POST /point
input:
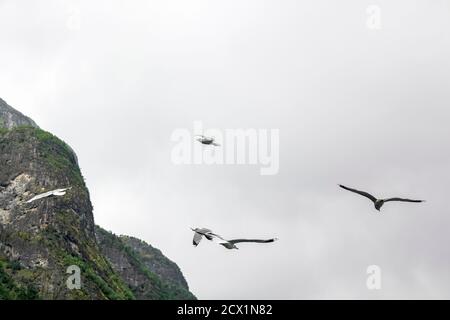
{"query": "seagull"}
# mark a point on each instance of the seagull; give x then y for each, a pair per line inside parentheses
(378, 202)
(207, 140)
(56, 193)
(229, 244)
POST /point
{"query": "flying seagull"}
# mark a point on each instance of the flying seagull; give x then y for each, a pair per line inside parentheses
(378, 202)
(56, 193)
(229, 244)
(207, 140)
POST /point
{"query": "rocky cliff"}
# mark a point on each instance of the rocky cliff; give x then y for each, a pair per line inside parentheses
(148, 273)
(41, 239)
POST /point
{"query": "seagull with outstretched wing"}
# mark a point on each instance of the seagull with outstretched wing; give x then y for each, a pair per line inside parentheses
(378, 203)
(55, 193)
(229, 244)
(207, 140)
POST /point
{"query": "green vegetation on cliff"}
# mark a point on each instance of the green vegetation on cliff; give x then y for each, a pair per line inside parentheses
(9, 288)
(52, 152)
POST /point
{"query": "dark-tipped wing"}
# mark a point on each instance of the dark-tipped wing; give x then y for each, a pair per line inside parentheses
(365, 194)
(252, 240)
(197, 238)
(200, 233)
(402, 200)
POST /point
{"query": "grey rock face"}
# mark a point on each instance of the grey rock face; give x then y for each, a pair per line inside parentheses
(10, 118)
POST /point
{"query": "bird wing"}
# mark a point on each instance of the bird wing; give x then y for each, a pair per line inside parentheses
(57, 192)
(365, 194)
(207, 234)
(197, 238)
(252, 240)
(40, 196)
(403, 200)
(203, 231)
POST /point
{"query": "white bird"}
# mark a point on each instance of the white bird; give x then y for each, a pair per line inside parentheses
(378, 203)
(229, 244)
(207, 140)
(56, 193)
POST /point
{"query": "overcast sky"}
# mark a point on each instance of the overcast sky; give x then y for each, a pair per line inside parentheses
(364, 107)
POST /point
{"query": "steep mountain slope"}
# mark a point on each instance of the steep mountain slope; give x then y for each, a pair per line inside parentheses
(154, 260)
(148, 273)
(40, 240)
